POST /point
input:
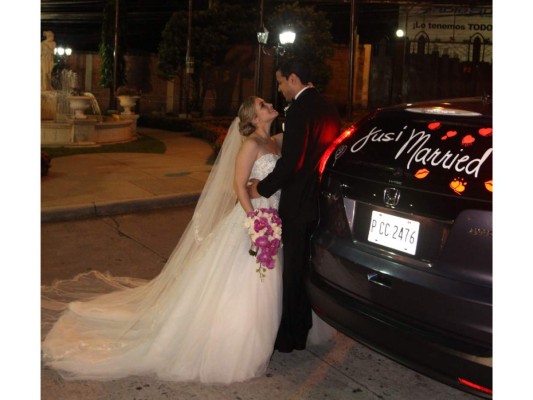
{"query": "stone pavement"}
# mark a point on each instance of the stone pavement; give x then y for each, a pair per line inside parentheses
(89, 185)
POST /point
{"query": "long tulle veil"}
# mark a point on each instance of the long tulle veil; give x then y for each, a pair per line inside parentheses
(135, 306)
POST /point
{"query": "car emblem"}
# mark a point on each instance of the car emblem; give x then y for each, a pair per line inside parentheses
(391, 197)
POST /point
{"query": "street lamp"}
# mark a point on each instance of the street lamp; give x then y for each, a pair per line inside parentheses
(61, 51)
(286, 38)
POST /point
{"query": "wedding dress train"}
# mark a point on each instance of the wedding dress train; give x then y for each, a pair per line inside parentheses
(207, 317)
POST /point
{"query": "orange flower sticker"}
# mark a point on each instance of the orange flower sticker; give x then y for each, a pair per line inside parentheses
(488, 185)
(422, 173)
(468, 140)
(485, 131)
(449, 134)
(458, 185)
(434, 125)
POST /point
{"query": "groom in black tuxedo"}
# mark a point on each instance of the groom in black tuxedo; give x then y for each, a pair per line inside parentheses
(311, 125)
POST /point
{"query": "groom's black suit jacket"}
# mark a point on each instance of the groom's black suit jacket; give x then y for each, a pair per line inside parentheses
(312, 124)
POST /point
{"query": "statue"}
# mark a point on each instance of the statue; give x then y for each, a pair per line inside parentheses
(47, 60)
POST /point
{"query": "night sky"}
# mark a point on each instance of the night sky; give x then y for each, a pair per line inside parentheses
(77, 23)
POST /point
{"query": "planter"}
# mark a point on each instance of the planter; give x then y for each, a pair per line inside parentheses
(79, 104)
(127, 102)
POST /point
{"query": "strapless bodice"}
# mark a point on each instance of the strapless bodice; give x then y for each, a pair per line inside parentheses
(262, 167)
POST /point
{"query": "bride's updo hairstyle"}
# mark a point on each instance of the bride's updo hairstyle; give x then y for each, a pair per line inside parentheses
(246, 114)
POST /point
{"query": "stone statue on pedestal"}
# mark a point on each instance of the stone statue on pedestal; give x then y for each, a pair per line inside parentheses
(47, 60)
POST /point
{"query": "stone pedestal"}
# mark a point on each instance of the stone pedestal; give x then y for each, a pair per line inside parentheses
(48, 105)
(133, 118)
(83, 131)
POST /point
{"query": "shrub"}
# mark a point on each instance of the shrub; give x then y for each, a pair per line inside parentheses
(127, 91)
(165, 122)
(213, 132)
(46, 161)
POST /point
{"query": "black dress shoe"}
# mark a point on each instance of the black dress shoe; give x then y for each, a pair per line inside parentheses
(283, 347)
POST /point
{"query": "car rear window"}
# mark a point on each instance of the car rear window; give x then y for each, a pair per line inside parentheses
(447, 154)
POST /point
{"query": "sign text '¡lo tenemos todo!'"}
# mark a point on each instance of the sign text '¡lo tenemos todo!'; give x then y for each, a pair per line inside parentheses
(415, 146)
(462, 27)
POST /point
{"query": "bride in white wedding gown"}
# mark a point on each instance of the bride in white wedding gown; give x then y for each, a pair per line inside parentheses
(207, 316)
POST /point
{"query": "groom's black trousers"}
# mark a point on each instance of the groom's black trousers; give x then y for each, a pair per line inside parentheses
(296, 316)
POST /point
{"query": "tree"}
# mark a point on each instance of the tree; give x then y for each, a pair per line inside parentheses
(313, 38)
(214, 31)
(220, 27)
(107, 48)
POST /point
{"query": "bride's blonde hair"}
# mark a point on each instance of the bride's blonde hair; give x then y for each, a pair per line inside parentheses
(246, 114)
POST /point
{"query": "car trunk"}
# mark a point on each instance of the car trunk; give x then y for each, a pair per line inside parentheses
(433, 187)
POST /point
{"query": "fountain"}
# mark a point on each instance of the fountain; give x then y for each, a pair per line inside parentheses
(71, 117)
(79, 104)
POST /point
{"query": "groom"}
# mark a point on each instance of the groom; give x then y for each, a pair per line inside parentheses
(311, 125)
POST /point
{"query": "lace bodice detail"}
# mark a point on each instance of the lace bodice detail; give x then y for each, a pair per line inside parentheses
(262, 167)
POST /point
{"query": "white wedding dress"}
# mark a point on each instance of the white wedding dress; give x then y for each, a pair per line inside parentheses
(206, 318)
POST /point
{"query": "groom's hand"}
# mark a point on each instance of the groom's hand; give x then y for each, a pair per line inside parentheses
(252, 188)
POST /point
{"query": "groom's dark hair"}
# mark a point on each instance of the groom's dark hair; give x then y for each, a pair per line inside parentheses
(298, 67)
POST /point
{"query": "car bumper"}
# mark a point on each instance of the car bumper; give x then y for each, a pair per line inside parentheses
(421, 350)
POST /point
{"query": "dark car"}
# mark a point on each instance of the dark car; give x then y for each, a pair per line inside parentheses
(402, 257)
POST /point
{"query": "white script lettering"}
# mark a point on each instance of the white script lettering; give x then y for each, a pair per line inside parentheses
(420, 153)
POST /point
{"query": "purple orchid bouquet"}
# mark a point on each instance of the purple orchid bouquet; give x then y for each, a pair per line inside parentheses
(264, 228)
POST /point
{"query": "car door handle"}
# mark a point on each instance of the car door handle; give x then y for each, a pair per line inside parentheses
(379, 279)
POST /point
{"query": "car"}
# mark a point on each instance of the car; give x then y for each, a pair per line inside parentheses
(401, 259)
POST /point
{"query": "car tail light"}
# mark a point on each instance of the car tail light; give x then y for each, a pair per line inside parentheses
(475, 386)
(342, 137)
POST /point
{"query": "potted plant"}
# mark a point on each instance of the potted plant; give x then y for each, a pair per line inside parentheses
(127, 96)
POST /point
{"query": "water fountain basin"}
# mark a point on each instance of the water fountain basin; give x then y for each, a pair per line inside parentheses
(77, 121)
(89, 131)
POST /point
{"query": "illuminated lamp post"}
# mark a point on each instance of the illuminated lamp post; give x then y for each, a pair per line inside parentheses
(62, 51)
(286, 38)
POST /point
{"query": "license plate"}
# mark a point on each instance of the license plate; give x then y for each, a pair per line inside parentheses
(394, 232)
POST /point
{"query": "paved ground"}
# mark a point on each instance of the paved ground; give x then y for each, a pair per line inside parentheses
(138, 244)
(94, 216)
(107, 183)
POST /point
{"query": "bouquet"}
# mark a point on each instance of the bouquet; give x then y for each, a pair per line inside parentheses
(264, 228)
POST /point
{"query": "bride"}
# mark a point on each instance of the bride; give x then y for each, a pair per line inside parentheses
(207, 316)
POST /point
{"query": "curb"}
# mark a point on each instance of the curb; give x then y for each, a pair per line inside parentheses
(94, 210)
